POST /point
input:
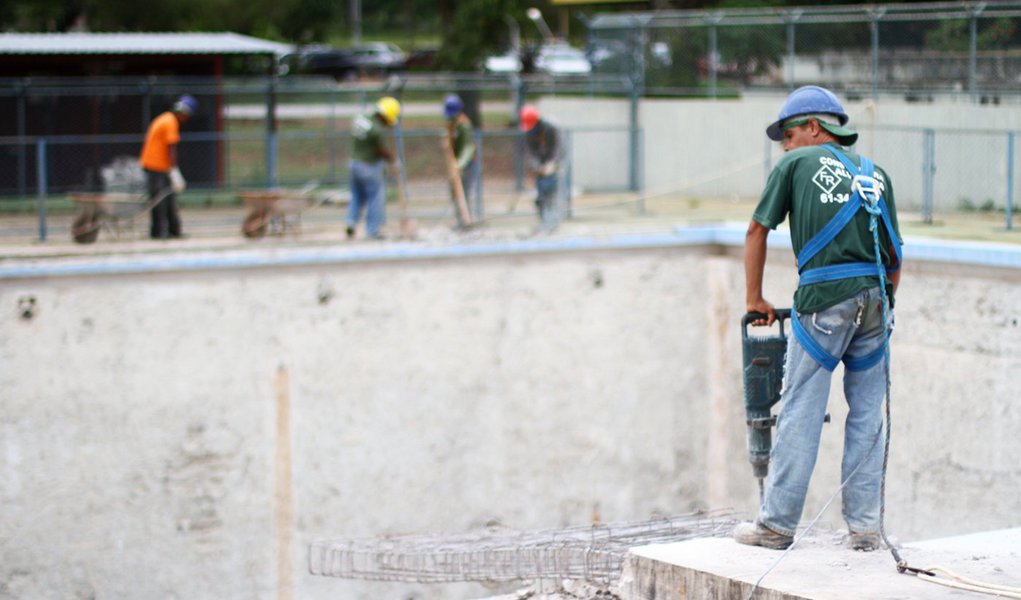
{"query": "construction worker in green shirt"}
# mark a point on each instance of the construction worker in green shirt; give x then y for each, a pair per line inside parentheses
(368, 151)
(843, 225)
(461, 142)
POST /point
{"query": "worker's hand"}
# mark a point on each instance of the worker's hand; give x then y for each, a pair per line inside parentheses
(548, 168)
(762, 306)
(177, 182)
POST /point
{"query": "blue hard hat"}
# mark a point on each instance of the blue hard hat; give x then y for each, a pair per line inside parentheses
(187, 105)
(807, 100)
(452, 106)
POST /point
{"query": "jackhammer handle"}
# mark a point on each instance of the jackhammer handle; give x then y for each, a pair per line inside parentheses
(782, 314)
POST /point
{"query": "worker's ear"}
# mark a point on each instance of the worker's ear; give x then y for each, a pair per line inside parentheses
(814, 128)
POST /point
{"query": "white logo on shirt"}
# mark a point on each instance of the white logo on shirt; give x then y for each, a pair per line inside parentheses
(828, 177)
(361, 126)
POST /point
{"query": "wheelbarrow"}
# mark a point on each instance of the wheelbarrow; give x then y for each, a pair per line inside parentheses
(114, 211)
(275, 210)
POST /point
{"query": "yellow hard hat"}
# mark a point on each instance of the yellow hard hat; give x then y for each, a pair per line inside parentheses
(389, 108)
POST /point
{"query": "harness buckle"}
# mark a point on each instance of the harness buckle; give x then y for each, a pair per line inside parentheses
(868, 188)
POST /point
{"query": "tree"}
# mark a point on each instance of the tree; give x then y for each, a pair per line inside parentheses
(274, 19)
(954, 35)
(479, 28)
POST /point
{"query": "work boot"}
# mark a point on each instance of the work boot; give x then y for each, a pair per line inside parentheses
(350, 231)
(864, 542)
(756, 534)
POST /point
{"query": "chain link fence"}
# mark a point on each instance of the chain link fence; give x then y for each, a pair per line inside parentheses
(277, 132)
(290, 132)
(915, 49)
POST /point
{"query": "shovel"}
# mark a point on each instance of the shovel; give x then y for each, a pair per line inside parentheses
(408, 227)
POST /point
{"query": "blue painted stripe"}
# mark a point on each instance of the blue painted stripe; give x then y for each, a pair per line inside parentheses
(983, 254)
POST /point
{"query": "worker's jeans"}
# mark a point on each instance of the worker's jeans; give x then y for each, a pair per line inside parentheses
(164, 221)
(546, 200)
(853, 327)
(366, 194)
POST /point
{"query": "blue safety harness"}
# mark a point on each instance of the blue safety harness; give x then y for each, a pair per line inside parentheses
(867, 195)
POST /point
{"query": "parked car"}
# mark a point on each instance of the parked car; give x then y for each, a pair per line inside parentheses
(554, 59)
(503, 63)
(319, 60)
(561, 59)
(379, 58)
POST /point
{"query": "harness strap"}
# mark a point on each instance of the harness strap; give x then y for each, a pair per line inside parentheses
(830, 231)
(827, 360)
(821, 356)
(840, 271)
(864, 363)
(865, 194)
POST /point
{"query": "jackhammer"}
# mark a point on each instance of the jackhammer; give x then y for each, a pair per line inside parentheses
(763, 380)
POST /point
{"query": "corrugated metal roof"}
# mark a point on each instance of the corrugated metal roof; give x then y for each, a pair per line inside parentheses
(137, 43)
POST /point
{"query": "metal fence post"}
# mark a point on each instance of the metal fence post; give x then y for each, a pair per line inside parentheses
(637, 80)
(792, 18)
(973, 51)
(40, 169)
(1010, 180)
(633, 139)
(21, 90)
(713, 54)
(479, 203)
(146, 88)
(874, 31)
(518, 89)
(928, 170)
(640, 174)
(332, 133)
(569, 174)
(271, 133)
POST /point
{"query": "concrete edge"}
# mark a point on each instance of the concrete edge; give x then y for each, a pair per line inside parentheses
(915, 249)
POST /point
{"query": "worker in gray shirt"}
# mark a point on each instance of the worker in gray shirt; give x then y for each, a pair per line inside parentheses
(543, 149)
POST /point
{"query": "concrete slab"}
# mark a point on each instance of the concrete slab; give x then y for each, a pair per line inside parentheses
(821, 567)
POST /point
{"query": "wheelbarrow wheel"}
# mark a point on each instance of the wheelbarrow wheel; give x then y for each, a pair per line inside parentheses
(255, 224)
(85, 228)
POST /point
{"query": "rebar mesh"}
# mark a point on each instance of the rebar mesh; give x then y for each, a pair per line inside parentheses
(593, 553)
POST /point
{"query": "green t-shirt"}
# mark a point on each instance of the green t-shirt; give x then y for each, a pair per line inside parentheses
(464, 142)
(367, 135)
(809, 185)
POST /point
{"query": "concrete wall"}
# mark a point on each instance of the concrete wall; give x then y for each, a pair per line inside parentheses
(718, 148)
(187, 435)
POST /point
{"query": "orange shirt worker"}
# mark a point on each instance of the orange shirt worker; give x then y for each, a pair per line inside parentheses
(159, 161)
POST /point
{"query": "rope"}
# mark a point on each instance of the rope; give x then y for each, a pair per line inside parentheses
(963, 583)
(871, 206)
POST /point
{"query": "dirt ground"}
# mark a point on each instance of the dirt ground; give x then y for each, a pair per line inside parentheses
(565, 590)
